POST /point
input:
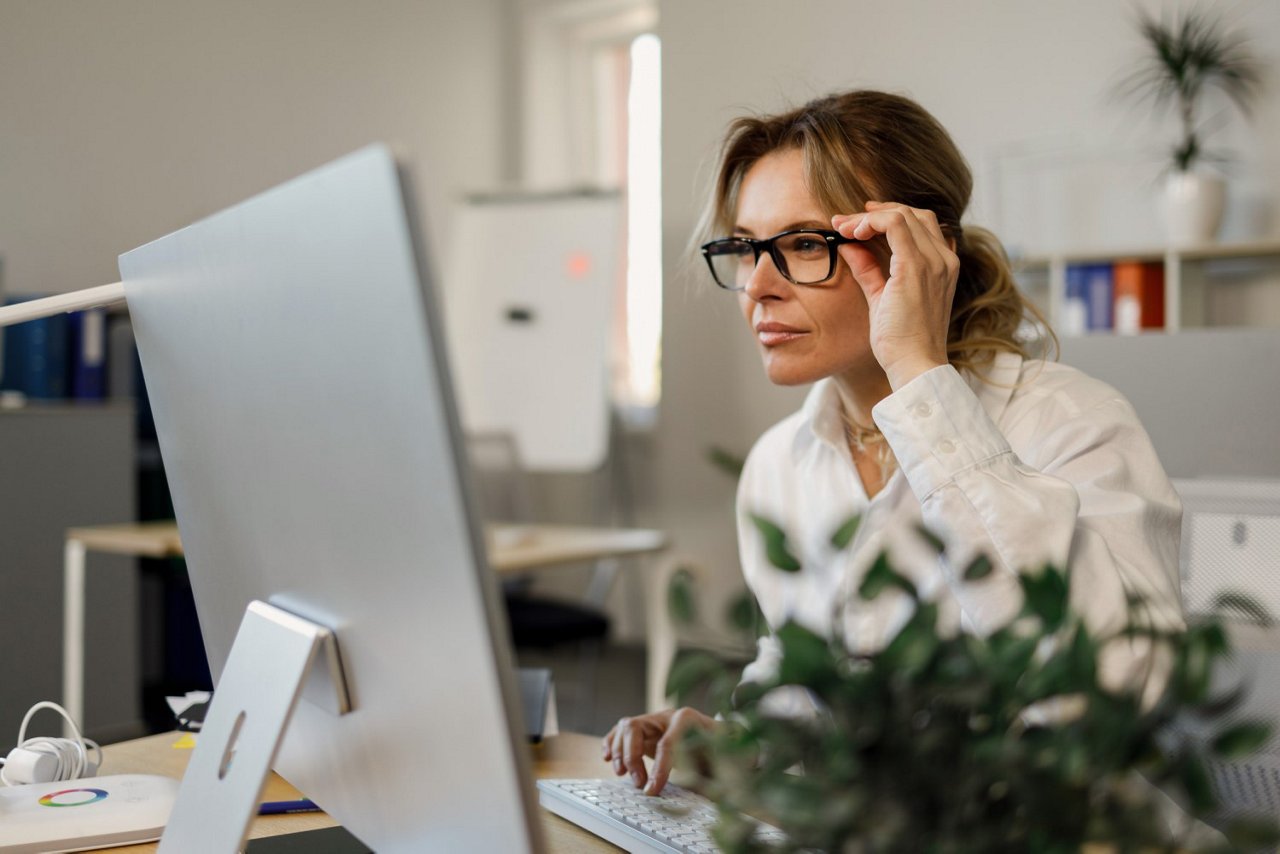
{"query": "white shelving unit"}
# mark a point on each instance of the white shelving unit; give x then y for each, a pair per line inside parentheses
(1185, 278)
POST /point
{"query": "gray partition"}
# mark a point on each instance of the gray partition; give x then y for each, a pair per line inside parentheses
(1209, 398)
(62, 466)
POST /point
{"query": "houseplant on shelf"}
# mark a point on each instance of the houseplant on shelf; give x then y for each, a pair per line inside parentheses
(1185, 62)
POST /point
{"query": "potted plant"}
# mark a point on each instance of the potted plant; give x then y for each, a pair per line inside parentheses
(1186, 60)
(957, 743)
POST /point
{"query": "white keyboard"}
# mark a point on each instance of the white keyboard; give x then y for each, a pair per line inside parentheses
(676, 822)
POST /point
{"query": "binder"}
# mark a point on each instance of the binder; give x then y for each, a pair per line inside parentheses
(35, 357)
(13, 368)
(1100, 290)
(1139, 296)
(89, 354)
(1075, 315)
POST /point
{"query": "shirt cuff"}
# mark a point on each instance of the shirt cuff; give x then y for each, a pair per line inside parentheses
(937, 429)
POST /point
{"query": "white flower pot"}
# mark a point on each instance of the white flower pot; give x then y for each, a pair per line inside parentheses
(1191, 207)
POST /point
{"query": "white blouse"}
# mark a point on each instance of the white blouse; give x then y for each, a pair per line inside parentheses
(1040, 464)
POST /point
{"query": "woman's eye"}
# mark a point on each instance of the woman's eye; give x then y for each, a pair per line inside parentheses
(808, 245)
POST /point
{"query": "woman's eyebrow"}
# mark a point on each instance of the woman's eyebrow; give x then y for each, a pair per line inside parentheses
(743, 231)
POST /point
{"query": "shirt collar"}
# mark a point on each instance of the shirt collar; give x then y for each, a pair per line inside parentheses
(822, 413)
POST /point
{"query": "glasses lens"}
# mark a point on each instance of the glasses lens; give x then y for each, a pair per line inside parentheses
(731, 261)
(807, 257)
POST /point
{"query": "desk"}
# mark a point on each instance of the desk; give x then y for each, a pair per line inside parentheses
(566, 755)
(512, 548)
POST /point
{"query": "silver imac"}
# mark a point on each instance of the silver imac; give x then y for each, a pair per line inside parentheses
(292, 351)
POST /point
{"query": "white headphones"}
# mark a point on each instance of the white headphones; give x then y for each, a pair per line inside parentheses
(49, 760)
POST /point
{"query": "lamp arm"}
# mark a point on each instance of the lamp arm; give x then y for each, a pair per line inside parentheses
(99, 297)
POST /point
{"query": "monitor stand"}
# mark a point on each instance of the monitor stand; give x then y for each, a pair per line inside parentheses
(328, 840)
(270, 666)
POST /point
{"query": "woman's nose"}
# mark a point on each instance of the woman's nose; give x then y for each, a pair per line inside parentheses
(765, 280)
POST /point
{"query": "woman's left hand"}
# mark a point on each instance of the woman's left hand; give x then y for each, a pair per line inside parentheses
(910, 309)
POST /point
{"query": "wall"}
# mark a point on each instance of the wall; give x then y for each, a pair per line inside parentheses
(1026, 90)
(122, 121)
(74, 467)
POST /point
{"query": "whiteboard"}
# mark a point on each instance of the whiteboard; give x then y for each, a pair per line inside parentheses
(529, 309)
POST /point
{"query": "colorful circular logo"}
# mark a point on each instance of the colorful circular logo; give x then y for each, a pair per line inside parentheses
(72, 797)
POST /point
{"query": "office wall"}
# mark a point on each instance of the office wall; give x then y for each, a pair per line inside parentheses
(1025, 89)
(122, 121)
(65, 467)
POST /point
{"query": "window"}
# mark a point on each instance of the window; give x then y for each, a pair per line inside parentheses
(591, 81)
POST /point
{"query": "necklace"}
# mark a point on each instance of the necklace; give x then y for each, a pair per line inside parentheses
(870, 441)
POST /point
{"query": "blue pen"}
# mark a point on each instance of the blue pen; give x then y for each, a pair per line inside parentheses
(282, 807)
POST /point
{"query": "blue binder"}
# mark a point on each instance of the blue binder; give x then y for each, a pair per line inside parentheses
(89, 354)
(35, 357)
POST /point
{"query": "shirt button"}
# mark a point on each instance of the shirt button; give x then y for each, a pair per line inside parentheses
(947, 446)
(923, 410)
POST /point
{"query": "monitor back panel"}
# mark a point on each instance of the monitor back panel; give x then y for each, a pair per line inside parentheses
(305, 419)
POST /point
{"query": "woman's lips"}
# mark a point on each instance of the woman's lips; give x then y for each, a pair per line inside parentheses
(773, 334)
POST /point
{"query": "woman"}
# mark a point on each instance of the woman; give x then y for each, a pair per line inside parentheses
(844, 244)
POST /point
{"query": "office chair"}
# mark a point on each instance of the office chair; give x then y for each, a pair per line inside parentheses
(539, 622)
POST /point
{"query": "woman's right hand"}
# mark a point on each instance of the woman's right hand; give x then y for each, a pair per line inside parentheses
(655, 735)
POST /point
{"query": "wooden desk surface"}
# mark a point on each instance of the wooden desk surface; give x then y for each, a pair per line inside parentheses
(566, 755)
(512, 548)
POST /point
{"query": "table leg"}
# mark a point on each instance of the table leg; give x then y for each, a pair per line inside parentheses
(73, 633)
(660, 635)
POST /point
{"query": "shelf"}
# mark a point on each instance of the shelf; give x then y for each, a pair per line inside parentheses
(1188, 270)
(1208, 251)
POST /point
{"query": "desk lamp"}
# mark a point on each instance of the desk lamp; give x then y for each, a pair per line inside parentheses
(103, 296)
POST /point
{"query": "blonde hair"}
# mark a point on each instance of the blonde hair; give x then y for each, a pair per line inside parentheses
(864, 145)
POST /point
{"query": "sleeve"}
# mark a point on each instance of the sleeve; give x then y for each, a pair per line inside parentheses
(1090, 495)
(764, 584)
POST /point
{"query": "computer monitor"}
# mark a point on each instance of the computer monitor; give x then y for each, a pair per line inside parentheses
(293, 358)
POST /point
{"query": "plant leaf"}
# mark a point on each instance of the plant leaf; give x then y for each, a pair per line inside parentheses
(743, 614)
(844, 534)
(806, 657)
(979, 568)
(1195, 779)
(1245, 605)
(882, 576)
(1046, 597)
(1194, 665)
(913, 647)
(931, 538)
(729, 463)
(775, 545)
(1084, 658)
(690, 671)
(1218, 707)
(680, 599)
(1241, 740)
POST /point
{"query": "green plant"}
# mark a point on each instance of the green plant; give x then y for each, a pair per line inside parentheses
(956, 743)
(1185, 59)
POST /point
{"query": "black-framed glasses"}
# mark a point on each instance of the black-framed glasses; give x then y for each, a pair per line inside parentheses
(805, 256)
